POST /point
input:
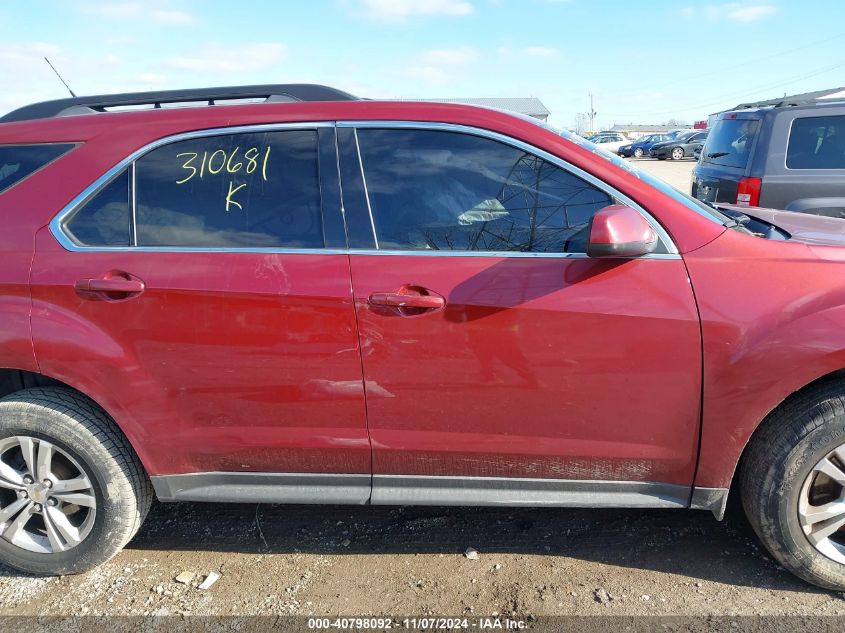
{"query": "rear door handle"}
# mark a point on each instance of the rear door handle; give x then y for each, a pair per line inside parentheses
(113, 286)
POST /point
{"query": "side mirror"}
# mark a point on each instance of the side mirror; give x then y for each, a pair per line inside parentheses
(620, 231)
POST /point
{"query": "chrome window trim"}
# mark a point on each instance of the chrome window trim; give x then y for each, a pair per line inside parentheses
(366, 191)
(499, 254)
(526, 147)
(133, 217)
(57, 223)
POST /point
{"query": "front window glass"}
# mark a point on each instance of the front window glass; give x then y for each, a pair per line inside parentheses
(435, 190)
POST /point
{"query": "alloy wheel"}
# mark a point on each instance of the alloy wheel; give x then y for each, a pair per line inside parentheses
(677, 153)
(821, 506)
(638, 152)
(47, 502)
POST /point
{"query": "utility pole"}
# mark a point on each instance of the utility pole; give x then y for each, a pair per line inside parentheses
(592, 116)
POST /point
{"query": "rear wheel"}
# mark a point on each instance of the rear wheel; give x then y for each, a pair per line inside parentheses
(638, 153)
(793, 485)
(72, 491)
(677, 153)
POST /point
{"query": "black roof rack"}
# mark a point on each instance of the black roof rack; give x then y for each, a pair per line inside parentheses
(99, 103)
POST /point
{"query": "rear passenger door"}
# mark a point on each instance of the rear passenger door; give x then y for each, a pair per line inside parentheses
(202, 293)
(501, 363)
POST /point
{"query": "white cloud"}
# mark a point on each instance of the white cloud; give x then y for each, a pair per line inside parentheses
(231, 59)
(431, 75)
(172, 17)
(152, 79)
(540, 51)
(449, 56)
(133, 11)
(750, 13)
(437, 65)
(732, 11)
(401, 10)
(528, 51)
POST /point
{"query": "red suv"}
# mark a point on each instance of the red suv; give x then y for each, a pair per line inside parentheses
(312, 298)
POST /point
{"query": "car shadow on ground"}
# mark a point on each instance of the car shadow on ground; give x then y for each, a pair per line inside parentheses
(687, 543)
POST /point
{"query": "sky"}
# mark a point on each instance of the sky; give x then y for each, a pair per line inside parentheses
(644, 62)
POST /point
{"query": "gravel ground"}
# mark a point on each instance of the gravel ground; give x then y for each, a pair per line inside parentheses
(308, 560)
(675, 172)
(304, 560)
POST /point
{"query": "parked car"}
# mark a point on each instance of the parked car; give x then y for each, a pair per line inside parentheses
(790, 157)
(683, 146)
(640, 147)
(324, 299)
(610, 141)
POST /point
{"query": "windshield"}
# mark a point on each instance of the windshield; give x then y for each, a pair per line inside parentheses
(729, 143)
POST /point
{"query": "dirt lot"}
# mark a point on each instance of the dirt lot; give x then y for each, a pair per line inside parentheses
(675, 172)
(411, 561)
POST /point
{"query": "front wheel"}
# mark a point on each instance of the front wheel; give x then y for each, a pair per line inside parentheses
(72, 491)
(677, 153)
(793, 485)
(638, 153)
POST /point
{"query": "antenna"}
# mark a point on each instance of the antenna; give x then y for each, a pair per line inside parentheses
(72, 93)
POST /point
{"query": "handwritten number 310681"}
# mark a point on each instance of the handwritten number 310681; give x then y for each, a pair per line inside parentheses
(221, 161)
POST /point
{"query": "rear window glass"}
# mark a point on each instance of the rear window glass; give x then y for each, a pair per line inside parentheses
(249, 190)
(19, 161)
(817, 143)
(105, 219)
(729, 142)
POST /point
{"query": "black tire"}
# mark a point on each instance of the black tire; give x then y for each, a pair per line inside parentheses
(80, 428)
(675, 150)
(638, 153)
(777, 461)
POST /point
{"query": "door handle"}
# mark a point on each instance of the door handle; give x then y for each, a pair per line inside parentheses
(113, 286)
(408, 300)
(398, 300)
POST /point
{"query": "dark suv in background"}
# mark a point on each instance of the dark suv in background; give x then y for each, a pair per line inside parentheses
(786, 157)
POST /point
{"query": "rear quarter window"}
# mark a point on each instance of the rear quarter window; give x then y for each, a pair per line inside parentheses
(817, 143)
(729, 142)
(19, 161)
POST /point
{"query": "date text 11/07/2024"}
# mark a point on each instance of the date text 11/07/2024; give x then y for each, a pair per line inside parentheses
(420, 624)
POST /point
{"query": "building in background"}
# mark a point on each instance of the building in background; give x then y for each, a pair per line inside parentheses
(530, 106)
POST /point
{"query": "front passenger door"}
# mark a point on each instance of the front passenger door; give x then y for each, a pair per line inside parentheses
(494, 350)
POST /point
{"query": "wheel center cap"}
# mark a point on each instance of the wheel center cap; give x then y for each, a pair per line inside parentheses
(37, 492)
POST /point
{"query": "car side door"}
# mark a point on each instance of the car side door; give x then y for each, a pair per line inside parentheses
(499, 360)
(200, 292)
